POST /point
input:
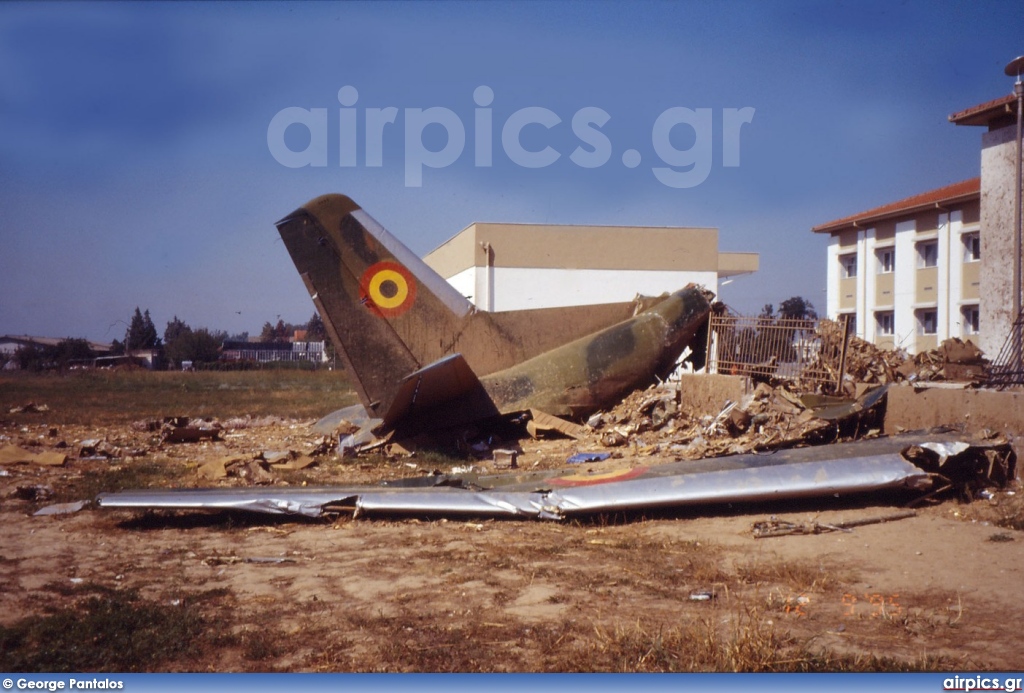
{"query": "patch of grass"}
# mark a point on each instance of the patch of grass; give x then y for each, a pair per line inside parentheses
(419, 643)
(742, 642)
(261, 644)
(800, 576)
(443, 459)
(142, 473)
(85, 397)
(112, 631)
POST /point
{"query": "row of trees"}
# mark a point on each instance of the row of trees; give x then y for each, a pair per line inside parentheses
(63, 355)
(180, 343)
(314, 328)
(795, 308)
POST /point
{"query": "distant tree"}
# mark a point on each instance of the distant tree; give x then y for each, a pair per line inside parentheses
(206, 345)
(33, 357)
(177, 342)
(277, 333)
(267, 333)
(29, 357)
(768, 312)
(315, 330)
(141, 332)
(67, 351)
(797, 308)
(174, 329)
(116, 348)
(238, 337)
(182, 343)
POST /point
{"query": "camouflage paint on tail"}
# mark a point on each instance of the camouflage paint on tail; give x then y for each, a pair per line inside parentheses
(379, 302)
(419, 352)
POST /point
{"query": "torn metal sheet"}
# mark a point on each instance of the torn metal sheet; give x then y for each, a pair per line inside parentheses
(815, 472)
(62, 508)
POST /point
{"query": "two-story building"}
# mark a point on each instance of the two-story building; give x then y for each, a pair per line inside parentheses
(908, 273)
(939, 264)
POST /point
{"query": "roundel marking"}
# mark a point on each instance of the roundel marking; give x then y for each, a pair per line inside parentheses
(388, 289)
(600, 478)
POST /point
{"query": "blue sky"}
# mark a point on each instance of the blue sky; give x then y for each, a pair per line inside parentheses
(135, 168)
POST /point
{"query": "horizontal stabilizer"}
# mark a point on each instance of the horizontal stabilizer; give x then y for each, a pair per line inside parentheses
(447, 381)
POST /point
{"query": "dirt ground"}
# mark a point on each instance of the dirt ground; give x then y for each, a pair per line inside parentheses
(676, 591)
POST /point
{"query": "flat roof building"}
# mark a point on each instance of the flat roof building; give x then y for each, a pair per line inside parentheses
(502, 267)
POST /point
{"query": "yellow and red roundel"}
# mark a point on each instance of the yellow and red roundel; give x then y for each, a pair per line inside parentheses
(388, 289)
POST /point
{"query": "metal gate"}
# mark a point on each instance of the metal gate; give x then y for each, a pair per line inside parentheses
(813, 351)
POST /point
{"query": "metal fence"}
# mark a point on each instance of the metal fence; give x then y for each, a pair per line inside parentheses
(1008, 368)
(812, 351)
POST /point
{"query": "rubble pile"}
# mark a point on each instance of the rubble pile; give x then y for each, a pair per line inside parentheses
(651, 422)
(953, 360)
(865, 362)
(232, 450)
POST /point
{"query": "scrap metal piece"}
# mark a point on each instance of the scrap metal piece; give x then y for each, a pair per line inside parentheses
(781, 528)
(61, 508)
(814, 472)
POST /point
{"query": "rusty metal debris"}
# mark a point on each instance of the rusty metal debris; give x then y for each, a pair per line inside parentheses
(180, 429)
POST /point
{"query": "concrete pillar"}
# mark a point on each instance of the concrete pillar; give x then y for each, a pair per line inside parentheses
(998, 178)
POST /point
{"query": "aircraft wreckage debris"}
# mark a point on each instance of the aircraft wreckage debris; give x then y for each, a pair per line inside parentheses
(782, 528)
(422, 358)
(813, 472)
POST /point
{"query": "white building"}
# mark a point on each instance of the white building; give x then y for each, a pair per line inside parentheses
(908, 274)
(939, 264)
(503, 267)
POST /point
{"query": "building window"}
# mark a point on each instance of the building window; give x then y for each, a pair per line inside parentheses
(972, 319)
(886, 260)
(928, 254)
(851, 322)
(972, 247)
(927, 321)
(849, 265)
(886, 322)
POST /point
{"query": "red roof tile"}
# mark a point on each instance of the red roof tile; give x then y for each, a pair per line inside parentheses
(956, 191)
(983, 113)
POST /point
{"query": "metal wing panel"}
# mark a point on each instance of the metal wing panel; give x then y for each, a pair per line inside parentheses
(777, 482)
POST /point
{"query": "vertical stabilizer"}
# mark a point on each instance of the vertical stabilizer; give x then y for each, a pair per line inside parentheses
(384, 309)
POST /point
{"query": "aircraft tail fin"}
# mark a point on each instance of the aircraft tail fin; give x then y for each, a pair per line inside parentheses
(385, 310)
